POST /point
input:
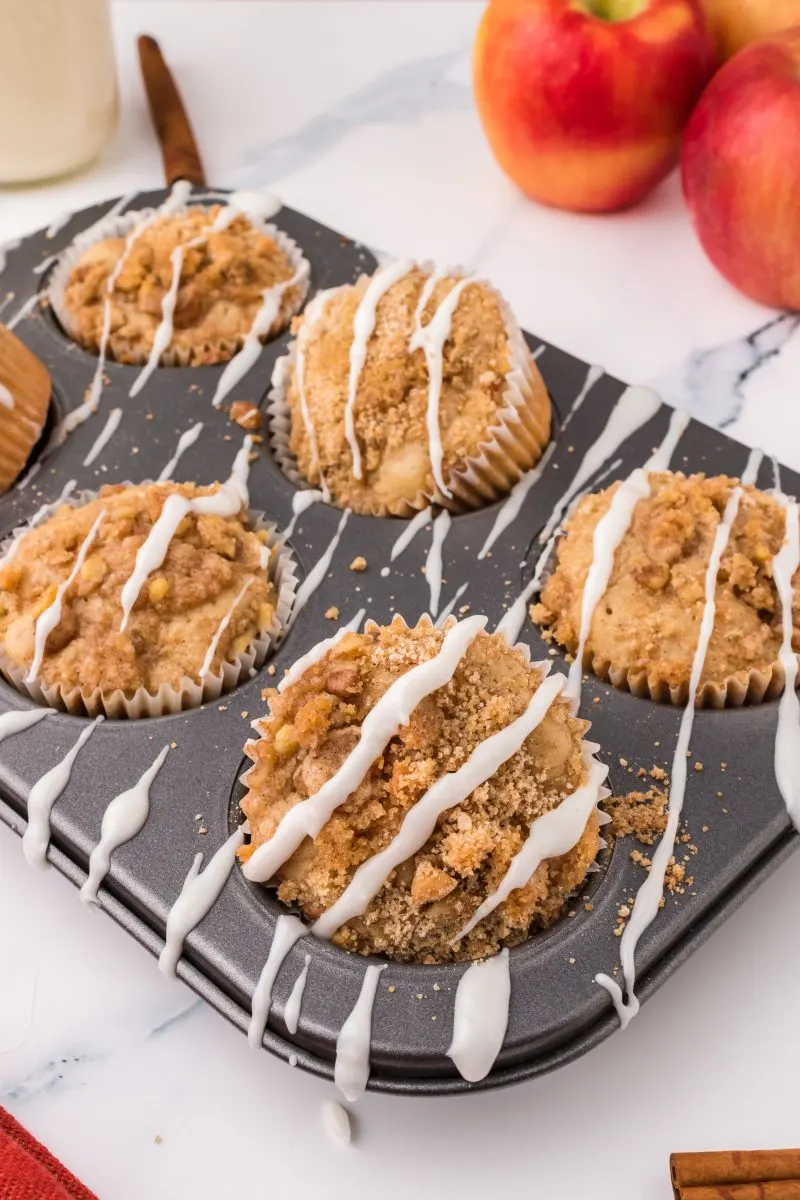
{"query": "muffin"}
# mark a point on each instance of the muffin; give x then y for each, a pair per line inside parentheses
(223, 279)
(409, 387)
(201, 620)
(23, 410)
(645, 630)
(314, 723)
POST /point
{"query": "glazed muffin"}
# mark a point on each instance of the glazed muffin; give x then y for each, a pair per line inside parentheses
(645, 630)
(200, 620)
(223, 278)
(315, 723)
(444, 398)
(23, 411)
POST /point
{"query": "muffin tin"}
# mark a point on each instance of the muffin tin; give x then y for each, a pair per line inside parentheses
(557, 1011)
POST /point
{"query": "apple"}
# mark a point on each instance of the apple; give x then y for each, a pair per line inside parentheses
(741, 170)
(584, 101)
(736, 23)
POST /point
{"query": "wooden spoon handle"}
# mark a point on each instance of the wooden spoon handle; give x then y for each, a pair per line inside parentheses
(178, 146)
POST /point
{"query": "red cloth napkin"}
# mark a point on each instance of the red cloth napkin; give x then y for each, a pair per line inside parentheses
(29, 1172)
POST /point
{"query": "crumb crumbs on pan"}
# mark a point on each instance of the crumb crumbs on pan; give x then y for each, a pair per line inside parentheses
(332, 613)
(359, 563)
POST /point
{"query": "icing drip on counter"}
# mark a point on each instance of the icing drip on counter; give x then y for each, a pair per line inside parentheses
(510, 509)
(336, 1121)
(301, 502)
(288, 930)
(351, 1070)
(363, 328)
(787, 734)
(318, 652)
(431, 340)
(187, 439)
(124, 817)
(223, 625)
(410, 532)
(480, 1018)
(392, 711)
(50, 618)
(17, 722)
(105, 436)
(593, 376)
(433, 563)
(551, 835)
(648, 898)
(635, 407)
(199, 892)
(43, 796)
(447, 792)
(317, 572)
(291, 1014)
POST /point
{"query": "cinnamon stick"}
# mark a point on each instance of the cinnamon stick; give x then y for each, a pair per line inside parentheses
(178, 146)
(716, 1174)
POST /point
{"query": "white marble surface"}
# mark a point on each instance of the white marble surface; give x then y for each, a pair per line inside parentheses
(362, 115)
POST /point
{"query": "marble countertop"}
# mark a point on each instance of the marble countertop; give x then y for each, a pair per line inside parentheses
(361, 114)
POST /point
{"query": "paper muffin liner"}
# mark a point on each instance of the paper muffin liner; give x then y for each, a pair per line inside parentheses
(513, 445)
(121, 226)
(189, 692)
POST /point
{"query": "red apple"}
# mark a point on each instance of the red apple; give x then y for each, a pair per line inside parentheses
(741, 170)
(736, 23)
(584, 101)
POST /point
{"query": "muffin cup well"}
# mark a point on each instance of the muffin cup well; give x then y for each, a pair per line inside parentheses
(514, 444)
(121, 226)
(189, 692)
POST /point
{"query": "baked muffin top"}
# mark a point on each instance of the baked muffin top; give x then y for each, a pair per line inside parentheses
(315, 723)
(179, 609)
(648, 622)
(223, 278)
(390, 410)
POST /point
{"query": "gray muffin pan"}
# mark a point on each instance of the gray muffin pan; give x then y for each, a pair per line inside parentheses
(557, 1011)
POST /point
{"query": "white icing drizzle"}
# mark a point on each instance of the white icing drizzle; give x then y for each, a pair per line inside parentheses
(317, 572)
(38, 517)
(410, 532)
(5, 250)
(124, 817)
(551, 835)
(776, 474)
(648, 898)
(22, 311)
(510, 509)
(336, 1121)
(45, 264)
(114, 211)
(302, 500)
(634, 409)
(223, 625)
(43, 796)
(787, 734)
(288, 930)
(448, 791)
(351, 1070)
(363, 328)
(225, 502)
(6, 399)
(187, 439)
(163, 334)
(16, 722)
(291, 1014)
(258, 206)
(34, 471)
(57, 224)
(431, 340)
(446, 611)
(244, 359)
(750, 473)
(318, 652)
(312, 314)
(608, 534)
(105, 436)
(200, 891)
(89, 407)
(50, 618)
(433, 563)
(480, 1018)
(593, 375)
(380, 725)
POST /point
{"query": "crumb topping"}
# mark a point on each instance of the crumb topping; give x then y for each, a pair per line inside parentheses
(314, 724)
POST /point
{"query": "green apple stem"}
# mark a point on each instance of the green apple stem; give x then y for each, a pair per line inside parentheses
(615, 10)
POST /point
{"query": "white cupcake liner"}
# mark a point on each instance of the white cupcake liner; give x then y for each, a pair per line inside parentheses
(190, 692)
(514, 444)
(121, 226)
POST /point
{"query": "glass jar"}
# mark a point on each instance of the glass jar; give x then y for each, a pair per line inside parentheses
(58, 87)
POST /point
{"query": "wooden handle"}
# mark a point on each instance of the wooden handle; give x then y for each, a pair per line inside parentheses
(178, 147)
